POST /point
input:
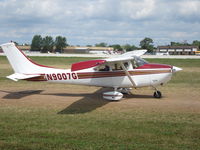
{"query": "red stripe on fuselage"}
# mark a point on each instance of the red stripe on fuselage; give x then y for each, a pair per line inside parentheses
(86, 64)
(87, 75)
(154, 66)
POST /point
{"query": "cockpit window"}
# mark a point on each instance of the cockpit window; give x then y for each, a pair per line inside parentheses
(110, 67)
(137, 62)
(116, 66)
(104, 68)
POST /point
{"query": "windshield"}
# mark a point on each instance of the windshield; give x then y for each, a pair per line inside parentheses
(137, 62)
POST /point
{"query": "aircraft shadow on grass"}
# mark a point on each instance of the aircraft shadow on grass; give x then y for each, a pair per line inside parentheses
(20, 94)
(88, 103)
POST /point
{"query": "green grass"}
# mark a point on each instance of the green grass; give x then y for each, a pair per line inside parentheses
(34, 128)
(58, 60)
(45, 129)
(177, 62)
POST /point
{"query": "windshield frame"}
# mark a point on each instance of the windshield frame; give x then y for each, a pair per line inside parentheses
(138, 61)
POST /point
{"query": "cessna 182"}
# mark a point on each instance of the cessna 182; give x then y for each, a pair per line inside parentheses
(121, 73)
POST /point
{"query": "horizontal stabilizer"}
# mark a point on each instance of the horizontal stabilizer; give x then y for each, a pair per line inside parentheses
(19, 76)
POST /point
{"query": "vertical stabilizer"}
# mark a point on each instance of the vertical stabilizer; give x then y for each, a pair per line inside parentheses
(19, 62)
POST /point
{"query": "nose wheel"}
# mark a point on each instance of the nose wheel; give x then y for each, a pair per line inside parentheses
(157, 94)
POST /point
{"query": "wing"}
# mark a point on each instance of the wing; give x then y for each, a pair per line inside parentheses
(126, 56)
(95, 63)
(135, 53)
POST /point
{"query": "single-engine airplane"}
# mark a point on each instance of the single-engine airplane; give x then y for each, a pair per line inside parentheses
(121, 73)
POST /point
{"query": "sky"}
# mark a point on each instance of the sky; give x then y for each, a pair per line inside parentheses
(87, 22)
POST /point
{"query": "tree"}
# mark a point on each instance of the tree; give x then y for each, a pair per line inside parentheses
(89, 45)
(102, 44)
(134, 47)
(47, 44)
(147, 43)
(196, 43)
(15, 43)
(184, 43)
(129, 47)
(60, 43)
(36, 44)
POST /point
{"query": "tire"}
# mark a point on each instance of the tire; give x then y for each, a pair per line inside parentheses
(157, 94)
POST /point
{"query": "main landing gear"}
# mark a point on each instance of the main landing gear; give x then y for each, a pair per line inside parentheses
(124, 90)
(117, 94)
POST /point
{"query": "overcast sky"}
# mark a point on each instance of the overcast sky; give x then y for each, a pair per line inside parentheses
(86, 22)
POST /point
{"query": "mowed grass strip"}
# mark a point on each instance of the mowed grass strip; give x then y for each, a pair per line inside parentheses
(23, 127)
(45, 129)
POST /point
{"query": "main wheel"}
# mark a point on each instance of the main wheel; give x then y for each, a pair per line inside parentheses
(157, 94)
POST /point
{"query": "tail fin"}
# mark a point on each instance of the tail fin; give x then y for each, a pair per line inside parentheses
(19, 62)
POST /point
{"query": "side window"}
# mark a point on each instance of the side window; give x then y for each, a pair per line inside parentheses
(116, 67)
(126, 65)
(113, 67)
(104, 68)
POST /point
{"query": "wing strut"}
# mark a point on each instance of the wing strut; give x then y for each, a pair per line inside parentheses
(127, 73)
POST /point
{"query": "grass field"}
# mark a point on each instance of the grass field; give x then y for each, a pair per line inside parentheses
(58, 116)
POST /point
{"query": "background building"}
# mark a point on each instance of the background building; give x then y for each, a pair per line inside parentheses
(178, 50)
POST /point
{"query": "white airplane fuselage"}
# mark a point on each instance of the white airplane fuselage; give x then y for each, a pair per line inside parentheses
(124, 71)
(142, 77)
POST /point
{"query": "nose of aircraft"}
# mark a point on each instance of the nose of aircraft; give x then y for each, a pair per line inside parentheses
(176, 69)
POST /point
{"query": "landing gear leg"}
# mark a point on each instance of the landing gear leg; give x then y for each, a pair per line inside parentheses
(157, 94)
(124, 90)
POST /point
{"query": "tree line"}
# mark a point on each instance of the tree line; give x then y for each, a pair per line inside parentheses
(48, 44)
(147, 43)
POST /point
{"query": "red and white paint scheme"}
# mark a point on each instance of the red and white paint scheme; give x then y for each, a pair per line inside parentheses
(121, 73)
